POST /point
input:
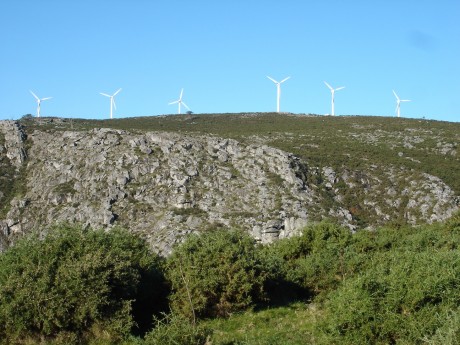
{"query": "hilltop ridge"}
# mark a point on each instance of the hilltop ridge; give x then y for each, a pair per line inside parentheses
(269, 174)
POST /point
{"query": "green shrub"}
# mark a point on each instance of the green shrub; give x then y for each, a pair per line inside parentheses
(318, 259)
(449, 331)
(73, 281)
(453, 223)
(397, 300)
(326, 265)
(441, 236)
(215, 274)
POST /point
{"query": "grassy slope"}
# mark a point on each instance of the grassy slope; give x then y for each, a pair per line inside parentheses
(289, 325)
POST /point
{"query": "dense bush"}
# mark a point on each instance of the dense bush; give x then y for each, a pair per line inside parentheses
(74, 281)
(215, 274)
(403, 297)
(396, 285)
(318, 260)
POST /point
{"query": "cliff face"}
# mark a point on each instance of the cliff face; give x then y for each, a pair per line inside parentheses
(166, 185)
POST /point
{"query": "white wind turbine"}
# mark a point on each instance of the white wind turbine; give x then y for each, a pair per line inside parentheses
(278, 91)
(333, 92)
(179, 101)
(112, 101)
(398, 103)
(39, 100)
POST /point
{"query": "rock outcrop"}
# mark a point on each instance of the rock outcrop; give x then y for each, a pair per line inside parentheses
(166, 185)
(13, 142)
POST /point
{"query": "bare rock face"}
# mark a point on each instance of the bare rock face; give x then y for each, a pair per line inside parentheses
(165, 186)
(161, 185)
(13, 142)
(397, 193)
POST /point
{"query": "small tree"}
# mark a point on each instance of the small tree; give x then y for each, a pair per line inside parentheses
(177, 329)
(215, 274)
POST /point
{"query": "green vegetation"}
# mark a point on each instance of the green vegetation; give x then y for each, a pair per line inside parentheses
(397, 285)
(215, 274)
(395, 300)
(393, 286)
(177, 329)
(292, 324)
(76, 283)
(318, 260)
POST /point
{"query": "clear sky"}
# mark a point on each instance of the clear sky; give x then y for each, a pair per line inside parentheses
(221, 52)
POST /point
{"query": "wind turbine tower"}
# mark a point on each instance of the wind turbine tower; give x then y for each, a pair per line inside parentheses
(39, 100)
(278, 91)
(179, 102)
(398, 103)
(112, 101)
(333, 92)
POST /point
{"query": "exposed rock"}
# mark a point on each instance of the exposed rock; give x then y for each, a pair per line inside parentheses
(106, 177)
(14, 142)
(165, 186)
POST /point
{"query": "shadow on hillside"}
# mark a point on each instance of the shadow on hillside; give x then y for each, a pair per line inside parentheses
(282, 293)
(151, 301)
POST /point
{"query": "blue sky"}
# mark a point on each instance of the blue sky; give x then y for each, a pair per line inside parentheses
(220, 52)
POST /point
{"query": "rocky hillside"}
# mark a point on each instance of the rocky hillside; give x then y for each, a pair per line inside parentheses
(166, 182)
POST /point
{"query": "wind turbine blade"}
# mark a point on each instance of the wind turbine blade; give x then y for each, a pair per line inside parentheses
(181, 93)
(117, 92)
(282, 81)
(185, 105)
(174, 102)
(273, 80)
(329, 86)
(405, 100)
(395, 95)
(114, 105)
(340, 88)
(104, 94)
(34, 95)
(44, 99)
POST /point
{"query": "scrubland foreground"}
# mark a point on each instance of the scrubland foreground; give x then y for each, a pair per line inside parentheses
(394, 285)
